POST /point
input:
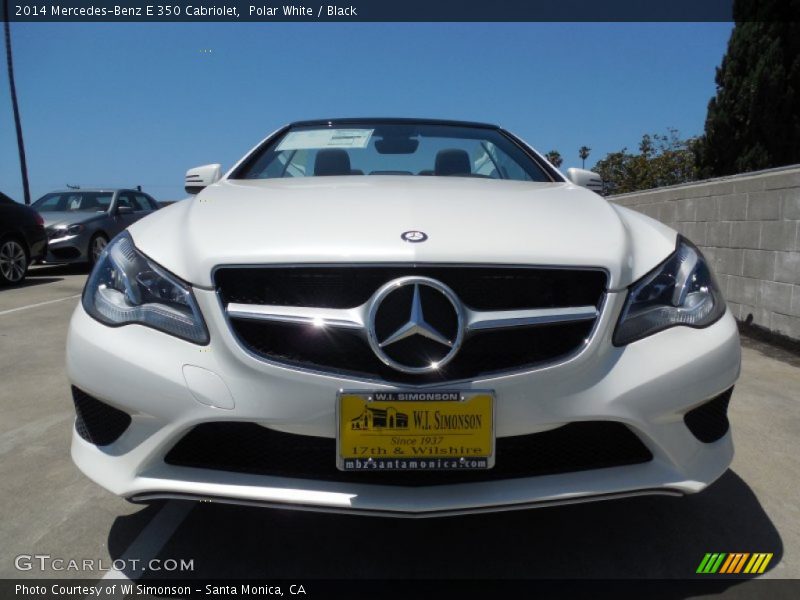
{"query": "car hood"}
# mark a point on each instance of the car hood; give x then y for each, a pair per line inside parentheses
(361, 218)
(54, 218)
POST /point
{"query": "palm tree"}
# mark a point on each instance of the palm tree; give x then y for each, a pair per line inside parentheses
(23, 165)
(583, 152)
(554, 157)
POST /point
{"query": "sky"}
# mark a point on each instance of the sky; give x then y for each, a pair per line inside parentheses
(128, 104)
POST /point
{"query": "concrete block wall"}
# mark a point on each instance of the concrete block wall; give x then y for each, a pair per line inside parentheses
(748, 226)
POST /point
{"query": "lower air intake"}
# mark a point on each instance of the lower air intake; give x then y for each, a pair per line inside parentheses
(97, 422)
(251, 448)
(709, 422)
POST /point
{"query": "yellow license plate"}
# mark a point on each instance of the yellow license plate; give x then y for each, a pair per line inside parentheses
(415, 431)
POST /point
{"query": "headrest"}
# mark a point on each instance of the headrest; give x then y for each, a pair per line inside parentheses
(332, 162)
(452, 162)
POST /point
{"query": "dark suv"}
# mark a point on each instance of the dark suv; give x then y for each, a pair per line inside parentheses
(22, 239)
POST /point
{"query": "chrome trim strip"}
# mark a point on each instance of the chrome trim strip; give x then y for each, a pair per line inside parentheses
(144, 497)
(347, 318)
(499, 319)
(355, 318)
(409, 265)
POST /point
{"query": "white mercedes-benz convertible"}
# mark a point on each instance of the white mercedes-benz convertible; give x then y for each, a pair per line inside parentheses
(400, 317)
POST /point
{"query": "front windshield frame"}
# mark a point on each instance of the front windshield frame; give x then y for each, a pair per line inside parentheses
(536, 168)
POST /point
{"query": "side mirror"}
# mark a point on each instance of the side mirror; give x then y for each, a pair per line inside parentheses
(124, 210)
(201, 177)
(587, 179)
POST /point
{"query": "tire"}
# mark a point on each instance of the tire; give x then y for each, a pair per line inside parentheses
(97, 244)
(14, 261)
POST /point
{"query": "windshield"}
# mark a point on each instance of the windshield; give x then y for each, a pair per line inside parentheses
(377, 148)
(74, 202)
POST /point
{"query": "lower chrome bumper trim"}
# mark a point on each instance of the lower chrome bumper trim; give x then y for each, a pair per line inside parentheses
(151, 496)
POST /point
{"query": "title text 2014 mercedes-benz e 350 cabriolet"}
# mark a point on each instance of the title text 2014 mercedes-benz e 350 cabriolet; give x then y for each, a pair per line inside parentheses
(400, 317)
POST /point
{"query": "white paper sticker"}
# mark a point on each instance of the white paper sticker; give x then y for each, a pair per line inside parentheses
(318, 139)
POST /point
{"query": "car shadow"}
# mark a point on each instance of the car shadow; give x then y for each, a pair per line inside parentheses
(30, 281)
(37, 271)
(638, 538)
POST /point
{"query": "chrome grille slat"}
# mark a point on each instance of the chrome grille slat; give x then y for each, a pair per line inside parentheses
(346, 318)
(499, 319)
(354, 318)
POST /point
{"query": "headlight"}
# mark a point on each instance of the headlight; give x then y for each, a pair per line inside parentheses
(127, 287)
(64, 231)
(680, 291)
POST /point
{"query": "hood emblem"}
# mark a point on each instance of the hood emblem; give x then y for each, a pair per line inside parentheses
(415, 324)
(414, 236)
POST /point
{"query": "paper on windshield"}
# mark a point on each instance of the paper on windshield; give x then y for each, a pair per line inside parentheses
(317, 139)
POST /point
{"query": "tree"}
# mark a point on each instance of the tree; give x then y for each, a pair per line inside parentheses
(753, 122)
(554, 157)
(662, 160)
(583, 152)
(15, 107)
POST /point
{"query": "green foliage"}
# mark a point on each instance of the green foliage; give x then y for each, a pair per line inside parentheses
(753, 122)
(662, 160)
(554, 157)
(583, 153)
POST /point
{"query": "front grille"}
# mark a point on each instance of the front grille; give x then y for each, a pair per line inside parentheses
(251, 448)
(347, 352)
(709, 422)
(97, 422)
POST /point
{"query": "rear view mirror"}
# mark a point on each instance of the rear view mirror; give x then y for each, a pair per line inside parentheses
(587, 179)
(396, 145)
(124, 210)
(201, 177)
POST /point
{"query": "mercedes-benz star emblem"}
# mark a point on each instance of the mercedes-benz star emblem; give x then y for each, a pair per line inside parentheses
(414, 236)
(415, 324)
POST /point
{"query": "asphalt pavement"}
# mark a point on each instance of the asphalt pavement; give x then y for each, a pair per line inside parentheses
(49, 507)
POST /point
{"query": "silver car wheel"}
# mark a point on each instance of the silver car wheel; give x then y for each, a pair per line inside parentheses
(13, 262)
(98, 245)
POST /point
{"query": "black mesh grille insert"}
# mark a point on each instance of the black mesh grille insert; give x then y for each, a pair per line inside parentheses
(709, 422)
(251, 448)
(481, 288)
(96, 421)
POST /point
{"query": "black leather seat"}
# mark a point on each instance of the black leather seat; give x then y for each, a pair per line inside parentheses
(452, 162)
(332, 162)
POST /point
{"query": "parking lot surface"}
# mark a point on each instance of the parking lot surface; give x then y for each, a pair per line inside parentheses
(49, 507)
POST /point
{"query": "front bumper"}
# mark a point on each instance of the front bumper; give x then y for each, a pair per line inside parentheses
(648, 386)
(37, 243)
